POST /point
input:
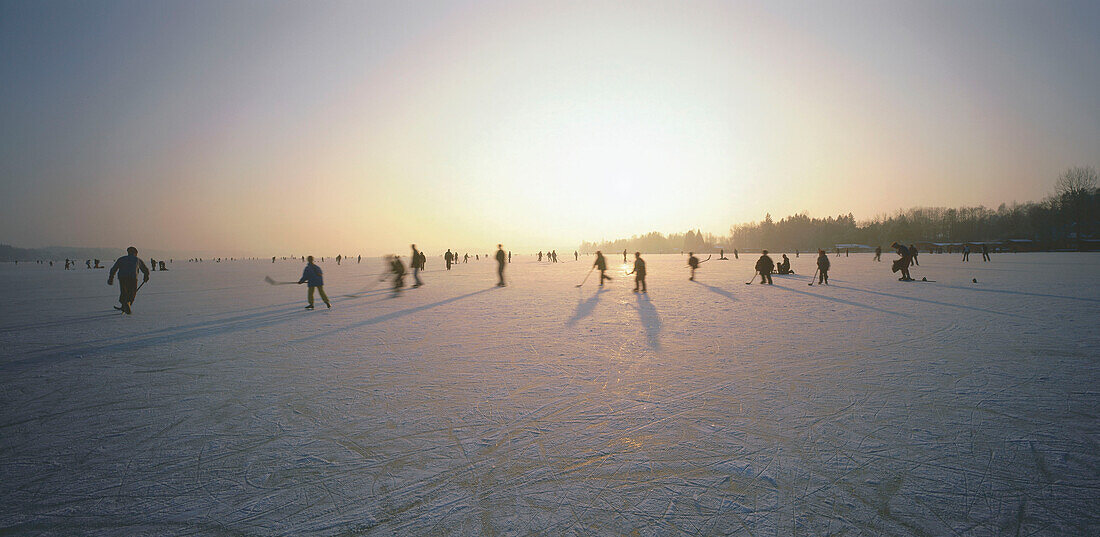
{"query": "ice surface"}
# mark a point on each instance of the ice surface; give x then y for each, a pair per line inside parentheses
(868, 407)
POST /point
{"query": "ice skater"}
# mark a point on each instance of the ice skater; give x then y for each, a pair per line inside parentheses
(693, 262)
(397, 269)
(624, 255)
(764, 267)
(448, 257)
(878, 254)
(903, 262)
(822, 267)
(127, 268)
(638, 272)
(966, 253)
(985, 252)
(314, 277)
(601, 265)
(913, 253)
(500, 265)
(414, 261)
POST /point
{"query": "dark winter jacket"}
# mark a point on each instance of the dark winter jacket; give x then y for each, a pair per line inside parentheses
(397, 267)
(312, 275)
(906, 255)
(639, 268)
(600, 263)
(823, 263)
(765, 265)
(127, 266)
(693, 262)
(501, 258)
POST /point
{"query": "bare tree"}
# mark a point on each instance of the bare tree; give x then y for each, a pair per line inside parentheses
(1076, 182)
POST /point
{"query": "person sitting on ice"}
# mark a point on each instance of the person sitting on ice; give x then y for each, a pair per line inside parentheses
(784, 266)
(162, 267)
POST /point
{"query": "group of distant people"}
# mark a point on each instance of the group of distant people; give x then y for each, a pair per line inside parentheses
(126, 268)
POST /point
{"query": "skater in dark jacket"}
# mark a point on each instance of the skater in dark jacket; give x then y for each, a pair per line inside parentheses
(902, 263)
(397, 268)
(501, 261)
(313, 276)
(127, 268)
(764, 266)
(638, 272)
(878, 253)
(448, 258)
(415, 262)
(693, 262)
(601, 265)
(822, 267)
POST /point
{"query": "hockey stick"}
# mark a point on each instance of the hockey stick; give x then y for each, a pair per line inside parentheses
(138, 289)
(273, 282)
(812, 278)
(586, 276)
(705, 260)
(751, 279)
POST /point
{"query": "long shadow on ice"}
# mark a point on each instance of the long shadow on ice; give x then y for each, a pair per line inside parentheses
(157, 337)
(840, 300)
(925, 300)
(1023, 293)
(59, 322)
(650, 320)
(394, 315)
(585, 307)
(717, 290)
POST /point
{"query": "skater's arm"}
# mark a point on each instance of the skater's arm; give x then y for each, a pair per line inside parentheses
(144, 270)
(111, 275)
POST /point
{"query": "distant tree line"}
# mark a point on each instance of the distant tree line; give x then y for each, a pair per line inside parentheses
(1068, 219)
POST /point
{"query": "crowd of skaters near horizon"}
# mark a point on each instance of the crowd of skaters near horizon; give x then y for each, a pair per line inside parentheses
(127, 267)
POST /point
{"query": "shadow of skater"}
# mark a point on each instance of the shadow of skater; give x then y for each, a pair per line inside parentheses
(717, 290)
(585, 307)
(650, 321)
(392, 315)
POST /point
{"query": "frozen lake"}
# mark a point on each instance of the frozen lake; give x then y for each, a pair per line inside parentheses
(868, 407)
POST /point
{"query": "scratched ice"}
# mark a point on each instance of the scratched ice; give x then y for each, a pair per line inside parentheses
(868, 407)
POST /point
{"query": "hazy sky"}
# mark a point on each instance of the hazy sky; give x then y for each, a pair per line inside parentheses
(359, 127)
